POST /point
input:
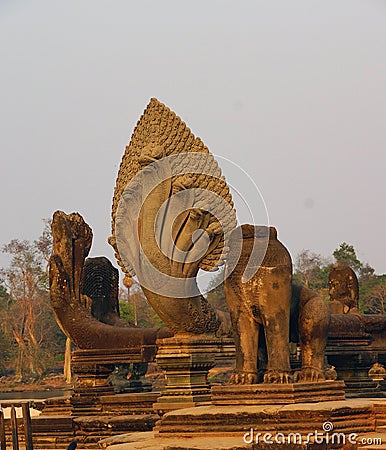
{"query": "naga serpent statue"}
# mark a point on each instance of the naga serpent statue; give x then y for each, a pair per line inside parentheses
(74, 291)
(172, 215)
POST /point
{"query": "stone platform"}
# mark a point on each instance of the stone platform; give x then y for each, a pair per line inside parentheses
(279, 394)
(48, 432)
(92, 368)
(186, 361)
(346, 416)
(120, 413)
(56, 427)
(224, 427)
(133, 403)
(90, 430)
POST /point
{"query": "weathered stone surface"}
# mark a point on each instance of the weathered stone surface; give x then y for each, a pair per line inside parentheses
(56, 406)
(279, 394)
(90, 430)
(72, 239)
(355, 343)
(343, 290)
(346, 416)
(84, 297)
(186, 361)
(172, 214)
(125, 438)
(266, 302)
(215, 443)
(100, 286)
(93, 368)
(132, 403)
(49, 432)
(213, 427)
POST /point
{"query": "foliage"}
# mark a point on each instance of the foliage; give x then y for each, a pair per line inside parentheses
(135, 308)
(215, 292)
(126, 311)
(346, 256)
(44, 243)
(372, 295)
(311, 270)
(366, 272)
(29, 336)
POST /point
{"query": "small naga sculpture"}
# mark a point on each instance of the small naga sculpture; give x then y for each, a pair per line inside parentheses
(343, 289)
(84, 294)
(172, 215)
(267, 310)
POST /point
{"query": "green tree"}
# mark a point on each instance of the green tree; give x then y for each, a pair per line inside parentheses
(366, 273)
(126, 311)
(215, 291)
(7, 347)
(375, 299)
(346, 256)
(27, 319)
(26, 282)
(311, 270)
(135, 308)
(371, 293)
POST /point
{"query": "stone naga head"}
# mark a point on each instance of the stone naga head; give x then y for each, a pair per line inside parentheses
(172, 215)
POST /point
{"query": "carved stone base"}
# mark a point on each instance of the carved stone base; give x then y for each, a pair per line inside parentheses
(244, 427)
(124, 404)
(186, 361)
(352, 365)
(141, 385)
(89, 430)
(57, 406)
(346, 416)
(92, 369)
(363, 387)
(277, 394)
(121, 413)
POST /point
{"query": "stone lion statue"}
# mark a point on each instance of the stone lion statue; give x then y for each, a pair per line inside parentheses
(267, 312)
(343, 289)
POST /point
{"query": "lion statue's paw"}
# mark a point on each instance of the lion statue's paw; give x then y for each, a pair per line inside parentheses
(310, 375)
(244, 378)
(277, 376)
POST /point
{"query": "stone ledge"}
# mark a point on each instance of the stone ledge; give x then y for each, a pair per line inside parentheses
(265, 394)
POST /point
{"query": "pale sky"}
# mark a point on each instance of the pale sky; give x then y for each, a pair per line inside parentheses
(293, 92)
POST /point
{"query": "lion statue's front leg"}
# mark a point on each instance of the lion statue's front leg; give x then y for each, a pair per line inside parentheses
(268, 302)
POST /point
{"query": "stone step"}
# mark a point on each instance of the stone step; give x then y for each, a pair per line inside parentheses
(284, 394)
(90, 430)
(346, 415)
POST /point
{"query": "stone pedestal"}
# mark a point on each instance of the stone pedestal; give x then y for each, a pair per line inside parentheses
(186, 361)
(244, 427)
(277, 394)
(350, 352)
(125, 404)
(92, 369)
(91, 383)
(355, 343)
